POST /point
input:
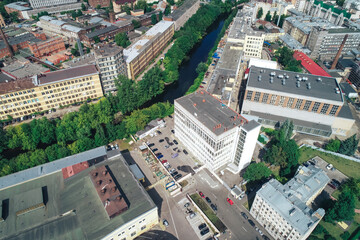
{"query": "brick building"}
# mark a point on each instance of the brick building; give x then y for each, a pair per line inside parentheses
(102, 3)
(18, 7)
(52, 45)
(2, 21)
(102, 34)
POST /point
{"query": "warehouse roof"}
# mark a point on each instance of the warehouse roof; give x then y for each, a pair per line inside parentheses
(310, 65)
(102, 31)
(211, 112)
(287, 82)
(73, 209)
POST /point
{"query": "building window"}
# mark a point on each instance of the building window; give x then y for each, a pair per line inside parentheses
(325, 108)
(298, 103)
(333, 110)
(257, 96)
(290, 102)
(282, 100)
(265, 97)
(249, 95)
(307, 105)
(316, 106)
(273, 99)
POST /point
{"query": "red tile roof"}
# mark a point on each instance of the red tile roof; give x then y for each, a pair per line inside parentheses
(74, 169)
(310, 65)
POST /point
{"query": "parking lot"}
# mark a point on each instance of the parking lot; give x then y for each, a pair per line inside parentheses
(171, 151)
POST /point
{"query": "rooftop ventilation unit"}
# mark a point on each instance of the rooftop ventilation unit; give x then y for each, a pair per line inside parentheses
(281, 76)
(272, 74)
(259, 78)
(298, 84)
(287, 76)
(271, 80)
(319, 79)
(308, 86)
(283, 82)
(297, 76)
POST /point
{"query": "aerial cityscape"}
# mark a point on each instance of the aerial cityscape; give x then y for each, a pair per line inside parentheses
(180, 119)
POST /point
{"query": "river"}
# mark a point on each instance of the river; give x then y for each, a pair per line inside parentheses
(187, 70)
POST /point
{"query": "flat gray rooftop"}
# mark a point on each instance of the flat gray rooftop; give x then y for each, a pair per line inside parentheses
(73, 208)
(211, 112)
(324, 89)
(182, 9)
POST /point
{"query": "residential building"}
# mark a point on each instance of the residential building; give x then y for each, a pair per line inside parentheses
(215, 134)
(314, 104)
(139, 54)
(67, 29)
(180, 15)
(110, 61)
(102, 3)
(285, 210)
(103, 33)
(2, 21)
(48, 47)
(49, 3)
(300, 5)
(90, 195)
(18, 7)
(50, 90)
(325, 43)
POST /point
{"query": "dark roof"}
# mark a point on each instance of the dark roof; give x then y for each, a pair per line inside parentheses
(73, 209)
(101, 31)
(121, 2)
(345, 112)
(67, 74)
(347, 88)
(20, 39)
(13, 86)
(4, 77)
(182, 9)
(211, 112)
(324, 89)
(346, 63)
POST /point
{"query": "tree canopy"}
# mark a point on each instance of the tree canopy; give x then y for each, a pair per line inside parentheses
(122, 40)
(257, 172)
(285, 58)
(268, 16)
(259, 13)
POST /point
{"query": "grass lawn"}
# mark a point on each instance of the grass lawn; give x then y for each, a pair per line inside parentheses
(347, 167)
(335, 230)
(208, 212)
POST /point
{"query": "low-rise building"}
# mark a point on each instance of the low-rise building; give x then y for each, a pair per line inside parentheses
(49, 3)
(310, 66)
(91, 195)
(110, 60)
(139, 54)
(102, 3)
(285, 210)
(18, 7)
(215, 134)
(17, 43)
(118, 4)
(105, 33)
(180, 15)
(48, 47)
(21, 68)
(50, 90)
(314, 104)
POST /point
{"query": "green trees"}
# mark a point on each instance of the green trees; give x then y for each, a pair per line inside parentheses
(153, 19)
(343, 209)
(333, 145)
(122, 40)
(98, 6)
(14, 16)
(283, 151)
(83, 7)
(167, 10)
(136, 23)
(257, 172)
(285, 58)
(347, 147)
(340, 2)
(259, 13)
(160, 16)
(268, 16)
(202, 67)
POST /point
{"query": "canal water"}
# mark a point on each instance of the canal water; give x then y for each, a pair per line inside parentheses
(187, 70)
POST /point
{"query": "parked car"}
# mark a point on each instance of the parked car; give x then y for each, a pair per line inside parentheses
(203, 82)
(173, 131)
(229, 201)
(201, 86)
(329, 166)
(157, 154)
(151, 144)
(208, 199)
(186, 153)
(265, 237)
(165, 222)
(201, 195)
(244, 215)
(201, 226)
(167, 146)
(174, 155)
(174, 173)
(213, 206)
(336, 183)
(168, 166)
(155, 149)
(192, 215)
(171, 144)
(187, 204)
(158, 132)
(178, 176)
(260, 232)
(331, 185)
(172, 170)
(251, 222)
(175, 142)
(167, 139)
(164, 161)
(161, 140)
(205, 231)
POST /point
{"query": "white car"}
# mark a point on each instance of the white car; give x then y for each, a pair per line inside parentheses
(329, 166)
(172, 170)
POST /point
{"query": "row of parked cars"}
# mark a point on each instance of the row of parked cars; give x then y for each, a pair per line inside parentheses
(251, 222)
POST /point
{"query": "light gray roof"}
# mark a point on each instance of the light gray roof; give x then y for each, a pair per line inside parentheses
(289, 200)
(71, 28)
(46, 18)
(136, 171)
(57, 22)
(18, 6)
(48, 168)
(324, 89)
(73, 209)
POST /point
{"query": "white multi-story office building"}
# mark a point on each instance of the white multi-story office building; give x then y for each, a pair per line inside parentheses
(49, 3)
(110, 60)
(215, 134)
(283, 210)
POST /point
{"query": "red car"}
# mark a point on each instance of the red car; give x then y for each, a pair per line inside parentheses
(201, 194)
(201, 86)
(230, 201)
(163, 161)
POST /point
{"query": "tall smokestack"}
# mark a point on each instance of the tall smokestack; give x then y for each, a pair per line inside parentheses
(339, 52)
(6, 43)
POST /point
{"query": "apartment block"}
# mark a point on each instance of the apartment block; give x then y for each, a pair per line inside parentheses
(313, 103)
(215, 134)
(50, 90)
(285, 210)
(110, 61)
(139, 54)
(87, 196)
(50, 3)
(48, 47)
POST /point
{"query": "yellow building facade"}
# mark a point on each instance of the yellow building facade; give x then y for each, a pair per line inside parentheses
(51, 90)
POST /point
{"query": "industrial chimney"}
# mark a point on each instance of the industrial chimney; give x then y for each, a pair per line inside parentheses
(339, 52)
(6, 43)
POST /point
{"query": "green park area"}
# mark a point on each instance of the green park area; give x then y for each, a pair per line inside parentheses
(208, 212)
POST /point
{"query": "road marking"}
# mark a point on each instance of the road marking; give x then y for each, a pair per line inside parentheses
(244, 229)
(172, 218)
